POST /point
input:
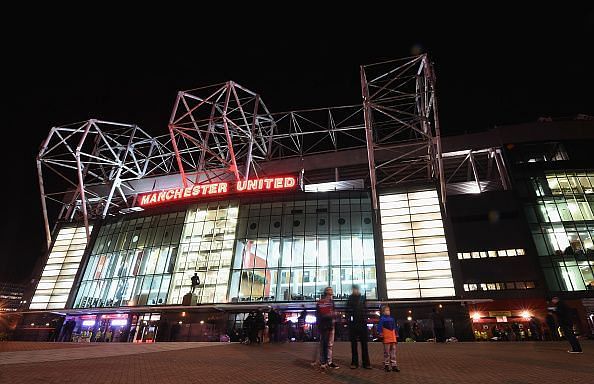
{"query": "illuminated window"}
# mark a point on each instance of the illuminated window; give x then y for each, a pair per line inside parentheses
(415, 250)
(499, 286)
(206, 249)
(489, 254)
(131, 262)
(60, 270)
(562, 224)
(292, 250)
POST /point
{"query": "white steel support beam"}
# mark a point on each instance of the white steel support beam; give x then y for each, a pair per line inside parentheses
(474, 171)
(116, 182)
(81, 183)
(227, 134)
(174, 142)
(248, 162)
(46, 226)
(437, 141)
(501, 169)
(369, 140)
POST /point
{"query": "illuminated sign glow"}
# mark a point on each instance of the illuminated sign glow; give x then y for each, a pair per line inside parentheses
(115, 316)
(216, 189)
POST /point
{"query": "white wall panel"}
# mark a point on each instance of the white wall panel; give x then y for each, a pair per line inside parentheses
(416, 261)
(58, 275)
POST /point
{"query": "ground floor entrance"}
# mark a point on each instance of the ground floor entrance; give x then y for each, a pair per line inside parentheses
(493, 320)
(513, 320)
(282, 322)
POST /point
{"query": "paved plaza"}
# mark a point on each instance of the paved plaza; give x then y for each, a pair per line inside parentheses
(169, 363)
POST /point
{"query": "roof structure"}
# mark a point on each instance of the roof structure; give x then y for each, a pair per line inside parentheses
(225, 132)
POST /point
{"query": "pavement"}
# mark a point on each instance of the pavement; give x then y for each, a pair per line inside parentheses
(170, 363)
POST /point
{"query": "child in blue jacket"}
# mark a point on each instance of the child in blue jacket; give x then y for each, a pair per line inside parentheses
(388, 331)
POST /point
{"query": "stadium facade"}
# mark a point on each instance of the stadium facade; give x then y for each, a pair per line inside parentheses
(270, 208)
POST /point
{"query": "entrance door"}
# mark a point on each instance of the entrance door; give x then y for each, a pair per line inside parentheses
(147, 328)
(149, 333)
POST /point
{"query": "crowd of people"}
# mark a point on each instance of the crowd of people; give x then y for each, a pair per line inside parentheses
(282, 329)
(536, 330)
(387, 329)
(558, 322)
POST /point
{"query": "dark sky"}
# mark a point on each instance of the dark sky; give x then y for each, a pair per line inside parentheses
(494, 66)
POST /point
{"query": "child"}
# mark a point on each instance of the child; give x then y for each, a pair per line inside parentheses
(388, 331)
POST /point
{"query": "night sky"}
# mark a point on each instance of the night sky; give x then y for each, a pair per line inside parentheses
(494, 67)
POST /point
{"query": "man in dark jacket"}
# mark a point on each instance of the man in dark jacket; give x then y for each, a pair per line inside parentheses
(249, 324)
(438, 326)
(565, 321)
(260, 326)
(357, 318)
(552, 326)
(273, 325)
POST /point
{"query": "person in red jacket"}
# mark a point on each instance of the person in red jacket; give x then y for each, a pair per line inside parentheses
(388, 332)
(325, 314)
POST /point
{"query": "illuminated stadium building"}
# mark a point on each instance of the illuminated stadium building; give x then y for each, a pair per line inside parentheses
(270, 208)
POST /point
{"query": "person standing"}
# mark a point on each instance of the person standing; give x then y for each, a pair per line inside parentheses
(273, 325)
(98, 335)
(416, 330)
(389, 334)
(357, 318)
(325, 313)
(64, 331)
(566, 323)
(552, 326)
(249, 324)
(195, 282)
(438, 326)
(495, 333)
(260, 326)
(517, 331)
(534, 326)
(58, 325)
(301, 323)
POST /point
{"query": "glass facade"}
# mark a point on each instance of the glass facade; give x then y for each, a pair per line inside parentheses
(207, 249)
(266, 251)
(415, 250)
(292, 250)
(60, 270)
(131, 262)
(561, 219)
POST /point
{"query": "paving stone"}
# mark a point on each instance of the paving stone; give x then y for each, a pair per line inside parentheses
(171, 363)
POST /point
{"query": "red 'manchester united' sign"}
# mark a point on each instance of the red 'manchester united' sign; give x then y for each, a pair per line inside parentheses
(215, 189)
